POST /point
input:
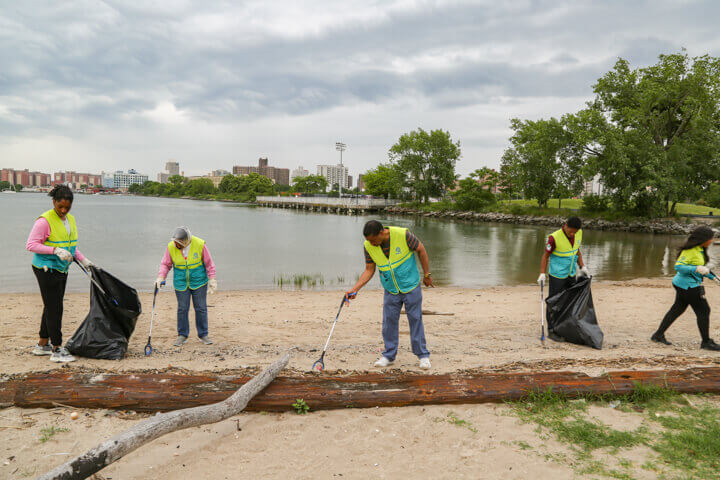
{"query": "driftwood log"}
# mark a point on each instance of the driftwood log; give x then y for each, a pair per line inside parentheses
(164, 391)
(120, 445)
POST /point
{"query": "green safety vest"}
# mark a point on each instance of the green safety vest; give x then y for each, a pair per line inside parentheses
(563, 261)
(190, 271)
(399, 272)
(60, 238)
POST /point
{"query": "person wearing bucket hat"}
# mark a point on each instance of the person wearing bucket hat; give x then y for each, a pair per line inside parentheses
(691, 268)
(193, 277)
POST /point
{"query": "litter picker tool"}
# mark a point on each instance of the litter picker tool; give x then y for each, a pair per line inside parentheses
(115, 302)
(148, 347)
(542, 312)
(320, 364)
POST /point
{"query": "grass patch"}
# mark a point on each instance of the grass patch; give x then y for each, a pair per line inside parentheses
(49, 432)
(687, 443)
(455, 420)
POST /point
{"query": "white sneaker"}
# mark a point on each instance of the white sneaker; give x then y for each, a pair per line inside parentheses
(42, 350)
(425, 363)
(383, 362)
(61, 355)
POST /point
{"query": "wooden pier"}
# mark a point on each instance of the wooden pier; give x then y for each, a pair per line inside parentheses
(340, 206)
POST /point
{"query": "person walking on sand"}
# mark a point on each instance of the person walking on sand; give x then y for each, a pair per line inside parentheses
(392, 251)
(691, 268)
(193, 277)
(53, 240)
(560, 260)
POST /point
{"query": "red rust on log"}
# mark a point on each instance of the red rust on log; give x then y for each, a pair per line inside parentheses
(162, 392)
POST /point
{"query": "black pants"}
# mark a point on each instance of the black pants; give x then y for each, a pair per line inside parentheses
(695, 297)
(52, 289)
(557, 285)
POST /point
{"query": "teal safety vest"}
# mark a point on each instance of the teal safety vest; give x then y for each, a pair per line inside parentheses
(399, 273)
(59, 238)
(563, 260)
(188, 271)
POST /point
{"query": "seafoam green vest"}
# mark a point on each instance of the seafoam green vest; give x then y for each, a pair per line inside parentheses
(188, 271)
(59, 237)
(399, 272)
(563, 260)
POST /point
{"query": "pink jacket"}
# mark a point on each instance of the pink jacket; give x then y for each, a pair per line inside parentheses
(166, 263)
(36, 241)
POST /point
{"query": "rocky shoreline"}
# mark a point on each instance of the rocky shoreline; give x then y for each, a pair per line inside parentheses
(650, 226)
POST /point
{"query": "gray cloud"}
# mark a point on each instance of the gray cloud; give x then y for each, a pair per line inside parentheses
(114, 64)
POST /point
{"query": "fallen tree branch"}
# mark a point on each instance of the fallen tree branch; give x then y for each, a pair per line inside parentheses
(120, 445)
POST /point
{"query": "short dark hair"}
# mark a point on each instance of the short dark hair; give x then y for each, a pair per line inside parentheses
(574, 222)
(373, 227)
(61, 192)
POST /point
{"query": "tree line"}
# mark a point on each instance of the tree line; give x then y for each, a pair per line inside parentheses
(651, 136)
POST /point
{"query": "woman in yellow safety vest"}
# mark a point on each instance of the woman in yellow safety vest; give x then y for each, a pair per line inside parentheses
(691, 268)
(53, 240)
(193, 277)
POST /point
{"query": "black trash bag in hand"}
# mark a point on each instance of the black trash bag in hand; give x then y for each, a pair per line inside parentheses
(571, 314)
(106, 330)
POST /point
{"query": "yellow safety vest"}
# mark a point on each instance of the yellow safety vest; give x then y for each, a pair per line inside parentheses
(399, 272)
(60, 238)
(190, 271)
(563, 261)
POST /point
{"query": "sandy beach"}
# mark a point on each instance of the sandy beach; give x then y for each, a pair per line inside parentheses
(490, 329)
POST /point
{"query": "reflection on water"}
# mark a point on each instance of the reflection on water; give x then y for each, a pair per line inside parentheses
(253, 247)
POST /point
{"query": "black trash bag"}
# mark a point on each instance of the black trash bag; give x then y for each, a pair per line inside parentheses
(106, 330)
(571, 315)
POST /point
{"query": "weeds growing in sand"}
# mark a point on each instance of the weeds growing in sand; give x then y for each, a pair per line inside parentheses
(301, 408)
(687, 442)
(48, 432)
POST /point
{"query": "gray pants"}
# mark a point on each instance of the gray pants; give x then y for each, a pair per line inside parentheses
(392, 304)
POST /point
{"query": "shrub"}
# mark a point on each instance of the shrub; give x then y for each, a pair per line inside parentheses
(595, 203)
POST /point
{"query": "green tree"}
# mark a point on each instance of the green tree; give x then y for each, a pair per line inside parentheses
(135, 188)
(473, 195)
(18, 187)
(5, 185)
(544, 159)
(177, 179)
(711, 195)
(383, 181)
(426, 161)
(200, 186)
(310, 184)
(653, 133)
(255, 184)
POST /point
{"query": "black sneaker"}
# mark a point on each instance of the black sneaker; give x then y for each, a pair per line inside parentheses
(660, 338)
(709, 344)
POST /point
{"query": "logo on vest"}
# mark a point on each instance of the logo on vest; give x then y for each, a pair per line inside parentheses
(397, 250)
(196, 255)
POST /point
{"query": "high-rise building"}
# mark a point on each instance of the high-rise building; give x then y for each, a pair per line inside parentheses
(334, 174)
(298, 173)
(172, 168)
(350, 181)
(219, 173)
(280, 176)
(76, 180)
(594, 186)
(163, 177)
(124, 180)
(361, 183)
(25, 177)
(108, 181)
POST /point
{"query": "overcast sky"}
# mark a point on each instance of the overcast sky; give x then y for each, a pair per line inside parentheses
(112, 85)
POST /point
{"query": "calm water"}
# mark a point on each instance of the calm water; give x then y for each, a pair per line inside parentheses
(252, 247)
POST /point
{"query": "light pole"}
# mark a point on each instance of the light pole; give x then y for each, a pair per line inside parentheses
(340, 147)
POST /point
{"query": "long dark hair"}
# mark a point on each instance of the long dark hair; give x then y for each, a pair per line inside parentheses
(698, 236)
(61, 192)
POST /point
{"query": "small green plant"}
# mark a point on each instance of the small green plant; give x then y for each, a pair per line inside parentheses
(455, 420)
(48, 432)
(301, 408)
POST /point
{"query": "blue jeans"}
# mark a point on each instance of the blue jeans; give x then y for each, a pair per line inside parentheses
(199, 299)
(392, 305)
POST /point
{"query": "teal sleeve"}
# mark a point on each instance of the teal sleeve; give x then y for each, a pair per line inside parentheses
(685, 269)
